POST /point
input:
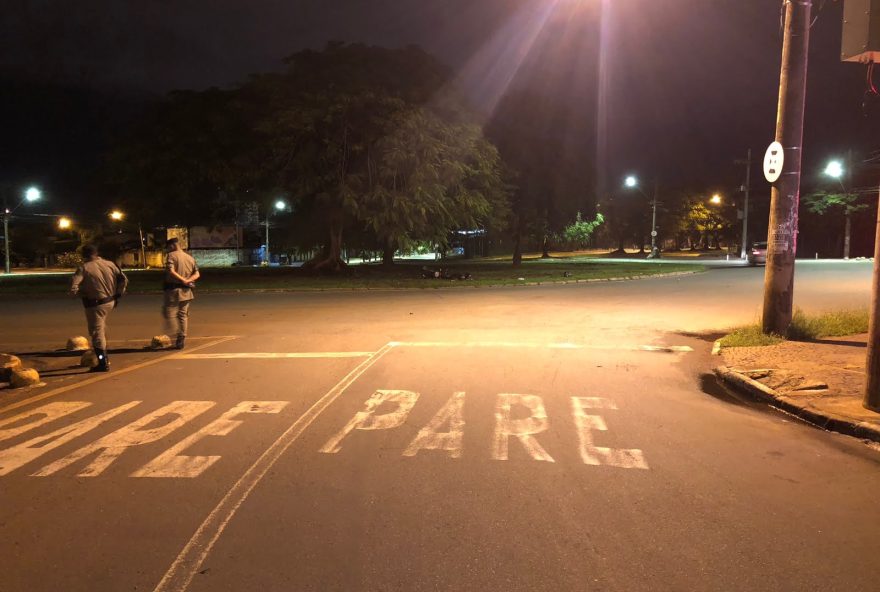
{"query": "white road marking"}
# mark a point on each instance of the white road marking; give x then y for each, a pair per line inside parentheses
(536, 345)
(29, 420)
(522, 429)
(140, 432)
(431, 438)
(115, 373)
(625, 458)
(21, 454)
(272, 355)
(172, 462)
(187, 563)
(368, 420)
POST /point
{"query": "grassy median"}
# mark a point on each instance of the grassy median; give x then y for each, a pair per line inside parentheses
(804, 327)
(401, 275)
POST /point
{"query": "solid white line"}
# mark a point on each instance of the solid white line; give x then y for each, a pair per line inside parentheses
(272, 355)
(532, 345)
(105, 376)
(184, 568)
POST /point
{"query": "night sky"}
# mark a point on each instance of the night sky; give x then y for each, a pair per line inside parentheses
(693, 83)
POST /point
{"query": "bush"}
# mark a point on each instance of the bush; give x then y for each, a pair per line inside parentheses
(69, 259)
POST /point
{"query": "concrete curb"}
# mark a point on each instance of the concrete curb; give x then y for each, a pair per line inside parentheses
(827, 421)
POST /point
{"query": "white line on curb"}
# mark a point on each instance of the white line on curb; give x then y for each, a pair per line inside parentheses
(272, 355)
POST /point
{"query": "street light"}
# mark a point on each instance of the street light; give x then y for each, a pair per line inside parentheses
(31, 195)
(119, 216)
(834, 169)
(280, 205)
(716, 199)
(632, 182)
(64, 223)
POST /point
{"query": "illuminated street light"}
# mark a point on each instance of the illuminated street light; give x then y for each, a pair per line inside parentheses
(834, 169)
(32, 194)
(117, 215)
(64, 223)
(716, 199)
(632, 182)
(280, 205)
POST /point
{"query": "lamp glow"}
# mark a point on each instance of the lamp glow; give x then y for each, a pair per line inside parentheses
(116, 215)
(280, 205)
(64, 223)
(32, 194)
(716, 199)
(834, 169)
(631, 181)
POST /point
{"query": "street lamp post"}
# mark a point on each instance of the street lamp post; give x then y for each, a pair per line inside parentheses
(118, 216)
(836, 170)
(632, 182)
(279, 206)
(31, 195)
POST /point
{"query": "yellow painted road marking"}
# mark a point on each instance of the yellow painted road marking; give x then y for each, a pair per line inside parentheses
(184, 568)
(105, 376)
(272, 355)
(534, 345)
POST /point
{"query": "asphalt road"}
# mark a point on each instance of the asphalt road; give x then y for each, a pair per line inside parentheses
(536, 438)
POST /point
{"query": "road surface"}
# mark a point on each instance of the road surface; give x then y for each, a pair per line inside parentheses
(535, 438)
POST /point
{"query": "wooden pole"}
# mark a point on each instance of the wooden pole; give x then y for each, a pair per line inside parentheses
(784, 198)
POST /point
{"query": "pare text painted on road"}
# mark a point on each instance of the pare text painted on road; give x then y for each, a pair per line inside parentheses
(445, 431)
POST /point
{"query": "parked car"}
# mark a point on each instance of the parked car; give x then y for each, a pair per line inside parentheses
(758, 254)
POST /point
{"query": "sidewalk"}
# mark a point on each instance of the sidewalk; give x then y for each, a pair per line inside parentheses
(823, 382)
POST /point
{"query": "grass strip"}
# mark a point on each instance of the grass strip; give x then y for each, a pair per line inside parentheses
(401, 275)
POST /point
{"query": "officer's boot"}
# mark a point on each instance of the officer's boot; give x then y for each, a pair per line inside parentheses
(180, 341)
(103, 364)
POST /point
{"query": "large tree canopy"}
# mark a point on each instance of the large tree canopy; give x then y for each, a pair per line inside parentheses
(368, 140)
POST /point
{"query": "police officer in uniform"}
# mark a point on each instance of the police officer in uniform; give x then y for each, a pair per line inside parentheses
(100, 283)
(181, 273)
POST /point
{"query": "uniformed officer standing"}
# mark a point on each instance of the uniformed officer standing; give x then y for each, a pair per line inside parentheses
(181, 273)
(100, 284)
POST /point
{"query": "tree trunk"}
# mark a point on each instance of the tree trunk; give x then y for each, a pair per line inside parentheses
(331, 258)
(545, 247)
(388, 253)
(517, 244)
(846, 234)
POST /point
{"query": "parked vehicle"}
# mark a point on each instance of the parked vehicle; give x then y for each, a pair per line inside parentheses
(758, 254)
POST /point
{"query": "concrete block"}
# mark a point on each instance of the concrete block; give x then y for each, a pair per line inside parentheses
(77, 343)
(22, 377)
(8, 363)
(160, 342)
(88, 360)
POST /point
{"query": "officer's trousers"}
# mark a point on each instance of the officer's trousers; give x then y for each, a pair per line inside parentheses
(176, 313)
(96, 318)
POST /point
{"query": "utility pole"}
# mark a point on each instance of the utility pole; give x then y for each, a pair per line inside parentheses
(744, 253)
(654, 218)
(7, 268)
(872, 365)
(784, 198)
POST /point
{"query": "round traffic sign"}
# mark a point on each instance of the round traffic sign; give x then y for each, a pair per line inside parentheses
(653, 233)
(774, 159)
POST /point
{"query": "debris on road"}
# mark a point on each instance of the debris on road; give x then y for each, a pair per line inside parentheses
(444, 274)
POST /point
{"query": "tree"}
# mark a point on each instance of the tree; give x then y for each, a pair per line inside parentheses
(824, 202)
(579, 232)
(432, 178)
